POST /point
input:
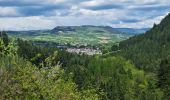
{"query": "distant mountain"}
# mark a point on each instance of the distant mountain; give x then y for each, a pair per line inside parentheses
(133, 30)
(85, 28)
(90, 34)
(147, 50)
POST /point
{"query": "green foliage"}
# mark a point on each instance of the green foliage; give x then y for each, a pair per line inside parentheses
(117, 78)
(4, 37)
(19, 79)
(120, 79)
(2, 47)
(115, 47)
(35, 54)
(164, 77)
(10, 49)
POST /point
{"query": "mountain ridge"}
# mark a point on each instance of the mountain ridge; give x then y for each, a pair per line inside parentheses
(84, 28)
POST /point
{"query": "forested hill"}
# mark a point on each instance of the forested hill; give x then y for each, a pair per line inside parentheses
(85, 28)
(149, 49)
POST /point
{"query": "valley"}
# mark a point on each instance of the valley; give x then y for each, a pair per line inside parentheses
(84, 49)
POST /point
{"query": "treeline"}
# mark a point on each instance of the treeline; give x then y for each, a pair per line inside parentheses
(28, 71)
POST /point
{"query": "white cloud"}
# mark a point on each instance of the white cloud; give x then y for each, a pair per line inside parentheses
(26, 23)
(91, 3)
(8, 11)
(54, 1)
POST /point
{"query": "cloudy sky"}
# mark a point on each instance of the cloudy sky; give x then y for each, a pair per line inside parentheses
(46, 14)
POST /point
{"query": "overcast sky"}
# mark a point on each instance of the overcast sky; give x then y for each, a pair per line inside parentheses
(46, 14)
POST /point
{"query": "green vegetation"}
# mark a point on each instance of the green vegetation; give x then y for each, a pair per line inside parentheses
(164, 77)
(37, 72)
(136, 69)
(19, 79)
(150, 52)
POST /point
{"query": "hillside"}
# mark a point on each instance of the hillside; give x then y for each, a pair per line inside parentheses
(147, 50)
(75, 35)
(85, 28)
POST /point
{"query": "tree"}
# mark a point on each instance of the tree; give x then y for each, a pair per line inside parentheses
(115, 47)
(164, 77)
(4, 37)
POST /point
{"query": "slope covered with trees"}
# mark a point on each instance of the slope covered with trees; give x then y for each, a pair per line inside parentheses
(149, 49)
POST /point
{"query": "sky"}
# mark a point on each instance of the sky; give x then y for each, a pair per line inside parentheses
(47, 14)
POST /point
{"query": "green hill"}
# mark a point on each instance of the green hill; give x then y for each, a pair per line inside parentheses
(85, 28)
(147, 50)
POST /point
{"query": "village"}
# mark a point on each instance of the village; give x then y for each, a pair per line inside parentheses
(87, 51)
